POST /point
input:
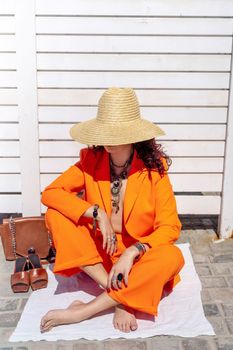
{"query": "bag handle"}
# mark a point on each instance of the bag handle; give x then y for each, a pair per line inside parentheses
(13, 234)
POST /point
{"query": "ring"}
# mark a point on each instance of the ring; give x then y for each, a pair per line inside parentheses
(114, 239)
(113, 278)
(120, 277)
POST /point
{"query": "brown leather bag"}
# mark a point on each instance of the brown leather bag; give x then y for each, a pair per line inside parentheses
(23, 233)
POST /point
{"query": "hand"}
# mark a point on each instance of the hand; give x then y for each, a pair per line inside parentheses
(105, 226)
(123, 266)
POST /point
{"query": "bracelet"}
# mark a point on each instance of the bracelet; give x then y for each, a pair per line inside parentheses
(141, 248)
(95, 214)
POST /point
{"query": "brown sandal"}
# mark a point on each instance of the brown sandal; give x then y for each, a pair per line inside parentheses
(20, 278)
(37, 274)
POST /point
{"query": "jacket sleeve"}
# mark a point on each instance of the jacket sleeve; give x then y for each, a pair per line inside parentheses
(167, 225)
(61, 194)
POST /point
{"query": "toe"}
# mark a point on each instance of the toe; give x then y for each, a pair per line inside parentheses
(133, 327)
(127, 328)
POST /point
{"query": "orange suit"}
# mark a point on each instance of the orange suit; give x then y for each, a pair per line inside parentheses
(149, 216)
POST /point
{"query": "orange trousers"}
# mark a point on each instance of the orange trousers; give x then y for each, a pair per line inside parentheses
(156, 272)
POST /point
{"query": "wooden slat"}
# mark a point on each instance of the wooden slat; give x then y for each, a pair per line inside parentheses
(180, 182)
(134, 25)
(170, 80)
(7, 7)
(198, 205)
(180, 132)
(179, 165)
(10, 165)
(7, 24)
(10, 183)
(10, 203)
(9, 148)
(128, 62)
(8, 96)
(8, 113)
(140, 8)
(146, 97)
(7, 79)
(159, 114)
(9, 131)
(126, 44)
(174, 149)
(7, 42)
(7, 60)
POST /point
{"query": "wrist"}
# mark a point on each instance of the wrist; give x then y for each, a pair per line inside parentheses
(141, 250)
(132, 251)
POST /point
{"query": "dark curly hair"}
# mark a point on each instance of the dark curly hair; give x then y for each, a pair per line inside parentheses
(150, 152)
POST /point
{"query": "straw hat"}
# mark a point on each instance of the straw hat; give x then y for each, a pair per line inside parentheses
(118, 121)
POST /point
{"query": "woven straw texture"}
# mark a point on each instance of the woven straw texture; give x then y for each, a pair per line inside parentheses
(118, 121)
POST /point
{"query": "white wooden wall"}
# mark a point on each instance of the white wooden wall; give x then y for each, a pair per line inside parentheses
(58, 57)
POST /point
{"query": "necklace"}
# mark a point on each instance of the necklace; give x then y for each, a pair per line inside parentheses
(116, 181)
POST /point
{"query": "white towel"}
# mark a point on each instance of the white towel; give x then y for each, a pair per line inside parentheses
(179, 314)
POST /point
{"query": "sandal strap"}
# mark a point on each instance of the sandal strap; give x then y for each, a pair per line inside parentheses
(21, 277)
(39, 273)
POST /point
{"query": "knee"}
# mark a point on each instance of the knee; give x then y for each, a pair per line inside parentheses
(170, 254)
(175, 255)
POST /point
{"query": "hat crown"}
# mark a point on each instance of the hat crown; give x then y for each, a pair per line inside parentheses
(118, 105)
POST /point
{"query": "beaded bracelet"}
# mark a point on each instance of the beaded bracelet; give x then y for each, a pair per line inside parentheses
(141, 248)
(95, 214)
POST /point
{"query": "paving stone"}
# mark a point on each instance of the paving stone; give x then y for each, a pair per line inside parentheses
(6, 348)
(220, 269)
(9, 319)
(5, 334)
(123, 345)
(64, 345)
(221, 295)
(230, 281)
(88, 345)
(205, 295)
(163, 343)
(211, 310)
(227, 309)
(8, 304)
(199, 258)
(203, 270)
(213, 282)
(196, 344)
(23, 303)
(224, 246)
(218, 324)
(225, 343)
(229, 322)
(222, 258)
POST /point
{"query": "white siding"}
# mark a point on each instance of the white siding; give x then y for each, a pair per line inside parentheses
(175, 54)
(10, 173)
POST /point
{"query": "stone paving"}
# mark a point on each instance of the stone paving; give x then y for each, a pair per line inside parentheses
(214, 264)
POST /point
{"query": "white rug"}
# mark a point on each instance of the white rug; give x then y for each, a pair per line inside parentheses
(180, 313)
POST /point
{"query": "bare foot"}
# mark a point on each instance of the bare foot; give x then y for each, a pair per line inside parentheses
(124, 319)
(74, 313)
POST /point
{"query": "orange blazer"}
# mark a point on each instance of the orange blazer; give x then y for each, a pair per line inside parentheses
(149, 213)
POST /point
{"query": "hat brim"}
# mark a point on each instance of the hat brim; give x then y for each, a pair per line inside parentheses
(96, 133)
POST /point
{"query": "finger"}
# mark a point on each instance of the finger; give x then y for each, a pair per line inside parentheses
(107, 244)
(104, 241)
(114, 281)
(126, 279)
(110, 279)
(119, 284)
(113, 248)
